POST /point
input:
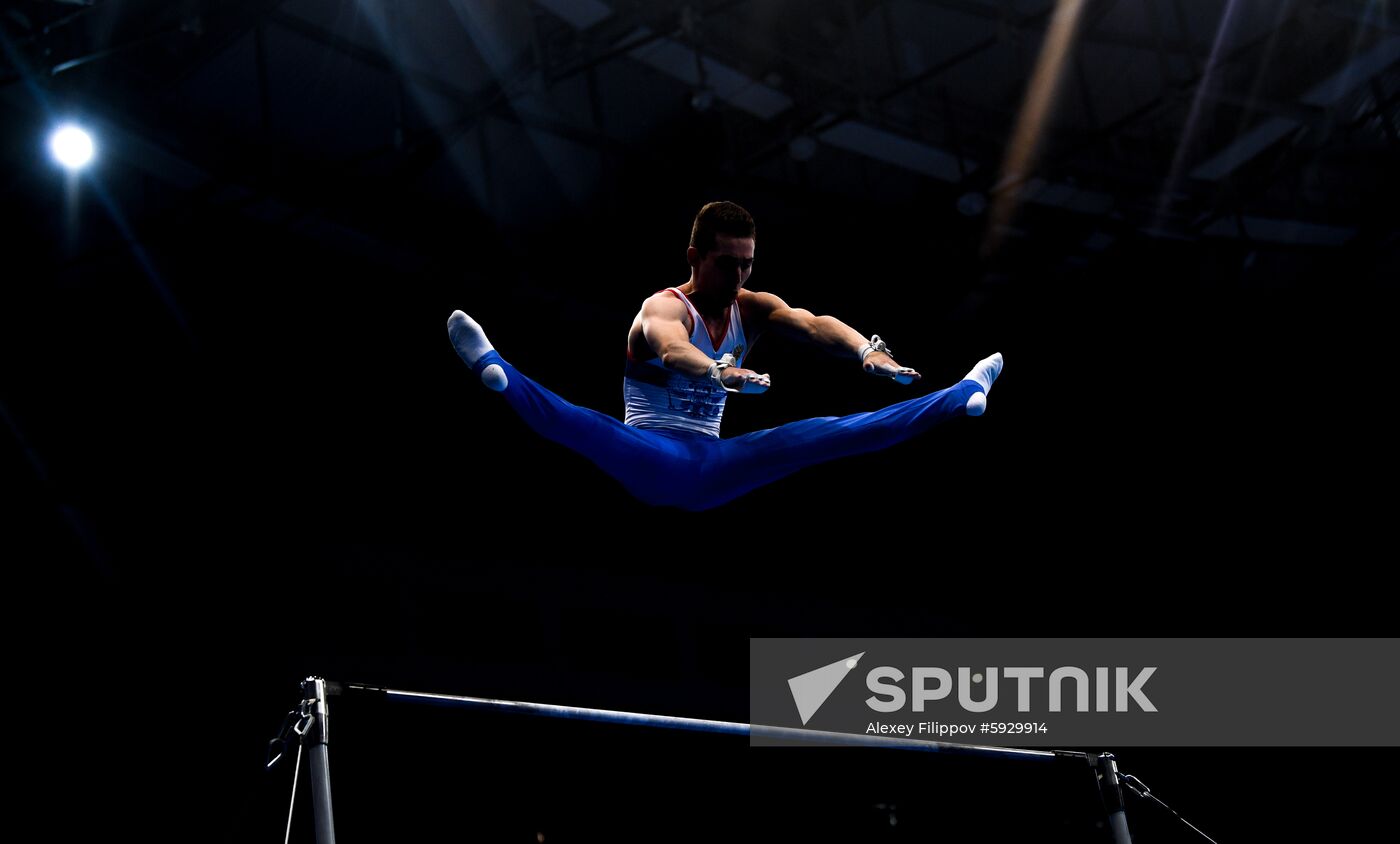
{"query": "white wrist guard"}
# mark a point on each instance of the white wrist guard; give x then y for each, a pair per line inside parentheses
(875, 345)
(902, 375)
(717, 370)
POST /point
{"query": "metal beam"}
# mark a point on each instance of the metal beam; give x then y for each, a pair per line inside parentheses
(1152, 42)
(1167, 99)
(1324, 95)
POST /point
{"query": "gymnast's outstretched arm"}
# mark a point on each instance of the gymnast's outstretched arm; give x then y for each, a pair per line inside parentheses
(827, 333)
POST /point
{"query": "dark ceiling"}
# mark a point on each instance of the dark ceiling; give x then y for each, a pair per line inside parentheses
(1272, 122)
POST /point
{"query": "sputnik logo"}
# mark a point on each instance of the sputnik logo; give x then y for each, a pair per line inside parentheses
(810, 690)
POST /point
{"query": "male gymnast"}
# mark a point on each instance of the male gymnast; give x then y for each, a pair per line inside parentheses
(685, 355)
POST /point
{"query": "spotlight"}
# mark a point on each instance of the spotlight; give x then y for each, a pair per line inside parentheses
(71, 147)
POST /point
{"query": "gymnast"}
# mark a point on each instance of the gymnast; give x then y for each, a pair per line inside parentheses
(685, 354)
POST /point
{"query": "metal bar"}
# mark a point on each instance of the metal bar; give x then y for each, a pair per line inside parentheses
(139, 41)
(671, 722)
(1032, 23)
(1113, 798)
(318, 737)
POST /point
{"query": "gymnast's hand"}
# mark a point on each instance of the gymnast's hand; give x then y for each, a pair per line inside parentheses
(744, 380)
(881, 364)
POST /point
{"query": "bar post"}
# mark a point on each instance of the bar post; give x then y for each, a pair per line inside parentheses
(318, 737)
(1112, 794)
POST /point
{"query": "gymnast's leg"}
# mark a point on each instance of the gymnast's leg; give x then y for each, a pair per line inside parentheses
(644, 462)
(747, 462)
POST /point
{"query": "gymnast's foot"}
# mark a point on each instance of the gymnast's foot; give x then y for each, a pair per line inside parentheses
(471, 343)
(984, 373)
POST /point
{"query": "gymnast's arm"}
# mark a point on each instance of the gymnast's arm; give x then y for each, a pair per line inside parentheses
(825, 332)
(663, 326)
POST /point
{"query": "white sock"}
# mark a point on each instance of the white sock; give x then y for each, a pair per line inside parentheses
(984, 373)
(471, 343)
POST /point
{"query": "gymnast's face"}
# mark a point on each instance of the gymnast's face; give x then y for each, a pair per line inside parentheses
(724, 269)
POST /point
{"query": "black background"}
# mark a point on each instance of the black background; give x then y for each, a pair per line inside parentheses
(244, 452)
(316, 485)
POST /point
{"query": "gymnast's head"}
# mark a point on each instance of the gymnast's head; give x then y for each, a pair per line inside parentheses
(721, 249)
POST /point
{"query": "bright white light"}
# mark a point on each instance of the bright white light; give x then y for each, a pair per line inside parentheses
(71, 147)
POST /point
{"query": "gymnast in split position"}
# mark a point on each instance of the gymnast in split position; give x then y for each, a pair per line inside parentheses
(685, 355)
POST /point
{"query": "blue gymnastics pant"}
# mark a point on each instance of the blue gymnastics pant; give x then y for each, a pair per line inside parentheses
(697, 472)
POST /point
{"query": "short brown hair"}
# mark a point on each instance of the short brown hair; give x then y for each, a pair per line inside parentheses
(719, 218)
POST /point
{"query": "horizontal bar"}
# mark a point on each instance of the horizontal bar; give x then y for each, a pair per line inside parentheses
(672, 722)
